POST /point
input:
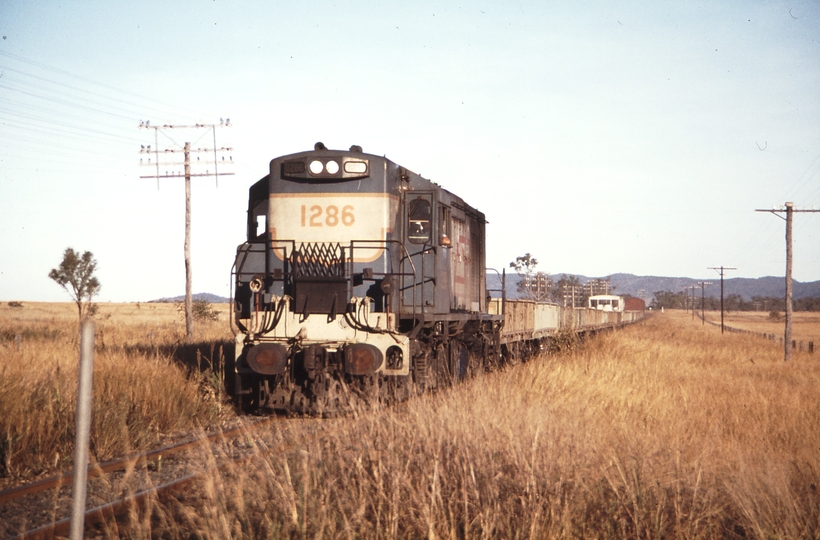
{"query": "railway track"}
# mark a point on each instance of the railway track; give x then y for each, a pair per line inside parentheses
(42, 509)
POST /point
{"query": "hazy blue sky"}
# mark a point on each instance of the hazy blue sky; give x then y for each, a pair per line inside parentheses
(599, 136)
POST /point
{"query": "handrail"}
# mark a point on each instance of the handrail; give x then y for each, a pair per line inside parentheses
(281, 248)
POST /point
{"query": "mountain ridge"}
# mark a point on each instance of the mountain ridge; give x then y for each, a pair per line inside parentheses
(633, 285)
(646, 286)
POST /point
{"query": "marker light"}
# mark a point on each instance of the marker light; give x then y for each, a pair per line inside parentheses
(356, 167)
(332, 167)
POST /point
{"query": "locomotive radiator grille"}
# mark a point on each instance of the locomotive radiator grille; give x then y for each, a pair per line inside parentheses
(319, 260)
(319, 284)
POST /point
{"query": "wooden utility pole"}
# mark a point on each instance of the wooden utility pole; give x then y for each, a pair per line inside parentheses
(703, 284)
(186, 151)
(721, 270)
(693, 287)
(787, 334)
(189, 307)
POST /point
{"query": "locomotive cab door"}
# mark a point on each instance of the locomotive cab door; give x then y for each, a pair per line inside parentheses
(419, 279)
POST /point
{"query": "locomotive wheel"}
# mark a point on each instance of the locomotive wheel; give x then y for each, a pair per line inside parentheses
(459, 361)
(422, 372)
(246, 393)
(326, 392)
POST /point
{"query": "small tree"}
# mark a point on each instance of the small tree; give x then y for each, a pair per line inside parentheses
(76, 276)
(533, 284)
(568, 291)
(201, 309)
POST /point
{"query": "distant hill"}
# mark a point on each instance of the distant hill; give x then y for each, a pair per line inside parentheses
(632, 285)
(647, 286)
(745, 287)
(208, 297)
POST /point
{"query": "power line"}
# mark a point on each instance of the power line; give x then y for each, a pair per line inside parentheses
(91, 81)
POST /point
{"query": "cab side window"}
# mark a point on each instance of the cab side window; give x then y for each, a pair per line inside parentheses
(258, 223)
(419, 227)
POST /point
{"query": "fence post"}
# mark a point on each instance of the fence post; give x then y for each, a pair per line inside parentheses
(811, 347)
(83, 430)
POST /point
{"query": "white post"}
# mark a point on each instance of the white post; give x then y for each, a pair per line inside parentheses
(83, 429)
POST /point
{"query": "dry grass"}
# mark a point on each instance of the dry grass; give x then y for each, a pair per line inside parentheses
(142, 392)
(805, 325)
(662, 430)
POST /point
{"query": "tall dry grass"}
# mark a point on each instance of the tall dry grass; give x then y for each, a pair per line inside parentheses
(662, 430)
(142, 392)
(805, 324)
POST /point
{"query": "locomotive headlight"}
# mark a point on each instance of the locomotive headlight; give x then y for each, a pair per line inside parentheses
(267, 358)
(332, 167)
(316, 167)
(362, 359)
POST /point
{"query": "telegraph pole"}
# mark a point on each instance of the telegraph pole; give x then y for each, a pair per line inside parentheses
(187, 173)
(721, 270)
(790, 210)
(693, 287)
(703, 285)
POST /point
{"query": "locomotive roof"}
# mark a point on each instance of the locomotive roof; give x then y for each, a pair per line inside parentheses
(416, 180)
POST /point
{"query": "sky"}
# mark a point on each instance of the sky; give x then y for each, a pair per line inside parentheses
(600, 137)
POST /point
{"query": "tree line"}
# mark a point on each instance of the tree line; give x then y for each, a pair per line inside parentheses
(732, 302)
(566, 290)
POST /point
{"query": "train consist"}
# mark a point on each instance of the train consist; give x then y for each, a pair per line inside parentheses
(360, 280)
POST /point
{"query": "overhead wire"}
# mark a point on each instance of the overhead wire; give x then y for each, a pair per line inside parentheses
(60, 116)
(176, 108)
(67, 128)
(83, 90)
(809, 174)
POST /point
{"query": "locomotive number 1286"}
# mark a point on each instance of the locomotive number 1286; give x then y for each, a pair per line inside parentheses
(327, 216)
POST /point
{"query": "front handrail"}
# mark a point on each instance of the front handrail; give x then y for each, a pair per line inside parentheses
(284, 249)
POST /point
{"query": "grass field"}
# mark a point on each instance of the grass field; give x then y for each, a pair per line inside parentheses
(662, 430)
(148, 382)
(665, 429)
(805, 325)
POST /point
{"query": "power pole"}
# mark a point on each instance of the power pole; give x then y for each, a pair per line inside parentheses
(703, 284)
(790, 210)
(721, 270)
(187, 173)
(693, 287)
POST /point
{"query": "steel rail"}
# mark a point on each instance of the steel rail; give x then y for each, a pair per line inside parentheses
(114, 509)
(122, 463)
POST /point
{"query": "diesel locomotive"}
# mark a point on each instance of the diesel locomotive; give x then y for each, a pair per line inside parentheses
(362, 282)
(359, 280)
